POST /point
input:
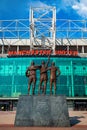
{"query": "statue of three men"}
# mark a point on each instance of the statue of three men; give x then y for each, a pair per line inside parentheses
(31, 73)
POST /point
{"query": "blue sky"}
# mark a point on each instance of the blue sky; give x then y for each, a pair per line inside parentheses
(66, 9)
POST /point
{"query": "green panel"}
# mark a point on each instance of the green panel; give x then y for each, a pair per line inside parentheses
(72, 81)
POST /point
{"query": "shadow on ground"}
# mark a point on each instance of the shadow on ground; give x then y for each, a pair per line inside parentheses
(75, 120)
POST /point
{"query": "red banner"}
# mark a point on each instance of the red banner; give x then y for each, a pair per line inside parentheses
(42, 52)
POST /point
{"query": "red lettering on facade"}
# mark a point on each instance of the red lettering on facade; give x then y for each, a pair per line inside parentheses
(43, 52)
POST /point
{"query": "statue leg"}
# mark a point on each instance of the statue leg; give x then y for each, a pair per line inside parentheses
(45, 83)
(34, 83)
(50, 87)
(54, 87)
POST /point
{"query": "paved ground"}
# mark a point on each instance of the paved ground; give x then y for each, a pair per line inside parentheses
(78, 121)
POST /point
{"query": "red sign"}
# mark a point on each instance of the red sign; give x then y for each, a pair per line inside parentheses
(42, 52)
(63, 52)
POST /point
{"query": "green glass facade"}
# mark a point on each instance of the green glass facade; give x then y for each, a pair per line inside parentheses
(72, 81)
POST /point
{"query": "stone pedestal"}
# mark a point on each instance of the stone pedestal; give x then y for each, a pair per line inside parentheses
(42, 110)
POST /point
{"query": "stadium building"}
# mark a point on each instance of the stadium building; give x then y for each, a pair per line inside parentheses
(26, 40)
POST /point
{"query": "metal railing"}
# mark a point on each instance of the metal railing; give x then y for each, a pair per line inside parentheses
(20, 29)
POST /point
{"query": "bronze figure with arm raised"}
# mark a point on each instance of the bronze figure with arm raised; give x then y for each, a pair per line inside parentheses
(43, 75)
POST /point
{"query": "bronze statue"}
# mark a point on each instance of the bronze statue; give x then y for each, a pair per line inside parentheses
(53, 76)
(31, 73)
(43, 76)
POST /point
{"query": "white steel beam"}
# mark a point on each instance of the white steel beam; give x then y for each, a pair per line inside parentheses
(43, 27)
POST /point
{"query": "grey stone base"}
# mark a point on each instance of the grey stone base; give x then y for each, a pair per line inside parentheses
(42, 111)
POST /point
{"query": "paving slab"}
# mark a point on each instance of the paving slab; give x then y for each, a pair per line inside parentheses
(78, 121)
(41, 128)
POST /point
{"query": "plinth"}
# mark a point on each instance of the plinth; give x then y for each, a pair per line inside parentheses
(47, 111)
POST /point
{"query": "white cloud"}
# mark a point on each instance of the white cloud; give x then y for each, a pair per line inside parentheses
(81, 8)
(68, 2)
(37, 4)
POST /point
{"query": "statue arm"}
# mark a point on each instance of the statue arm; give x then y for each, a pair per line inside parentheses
(49, 68)
(48, 61)
(38, 67)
